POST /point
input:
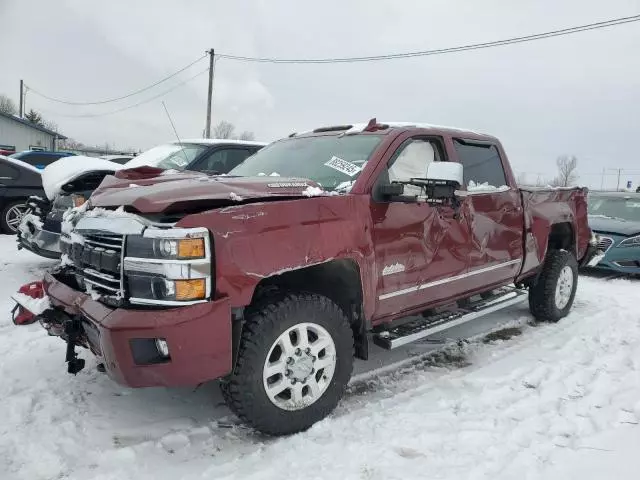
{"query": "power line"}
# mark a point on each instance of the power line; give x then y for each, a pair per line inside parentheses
(441, 51)
(91, 115)
(100, 102)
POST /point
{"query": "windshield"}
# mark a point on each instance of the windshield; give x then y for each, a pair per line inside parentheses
(625, 208)
(332, 161)
(168, 156)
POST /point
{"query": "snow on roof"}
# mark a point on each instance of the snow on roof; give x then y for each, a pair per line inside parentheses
(359, 127)
(67, 169)
(22, 164)
(216, 141)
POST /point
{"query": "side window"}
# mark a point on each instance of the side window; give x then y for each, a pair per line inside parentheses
(223, 160)
(235, 157)
(481, 163)
(411, 161)
(7, 173)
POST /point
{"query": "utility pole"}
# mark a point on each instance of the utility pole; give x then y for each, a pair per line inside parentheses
(207, 130)
(21, 98)
(618, 184)
(602, 179)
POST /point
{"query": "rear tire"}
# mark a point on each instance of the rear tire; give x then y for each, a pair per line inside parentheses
(294, 362)
(551, 297)
(11, 216)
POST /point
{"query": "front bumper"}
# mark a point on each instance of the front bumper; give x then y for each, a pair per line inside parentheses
(198, 337)
(625, 260)
(36, 239)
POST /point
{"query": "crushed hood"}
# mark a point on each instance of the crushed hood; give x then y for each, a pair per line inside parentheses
(150, 190)
(613, 225)
(68, 169)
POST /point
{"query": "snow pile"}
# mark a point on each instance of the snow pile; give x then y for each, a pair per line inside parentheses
(65, 260)
(34, 305)
(92, 292)
(67, 169)
(29, 218)
(558, 401)
(235, 197)
(311, 191)
(344, 187)
(474, 187)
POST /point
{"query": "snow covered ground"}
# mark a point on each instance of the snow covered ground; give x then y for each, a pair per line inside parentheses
(553, 401)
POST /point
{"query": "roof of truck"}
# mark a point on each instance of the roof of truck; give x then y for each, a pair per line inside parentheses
(354, 128)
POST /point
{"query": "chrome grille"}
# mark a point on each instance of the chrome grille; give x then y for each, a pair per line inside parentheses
(97, 262)
(605, 243)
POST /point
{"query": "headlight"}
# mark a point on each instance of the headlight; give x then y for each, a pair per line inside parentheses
(150, 288)
(166, 248)
(170, 267)
(630, 242)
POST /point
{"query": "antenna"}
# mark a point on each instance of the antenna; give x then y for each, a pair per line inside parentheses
(176, 132)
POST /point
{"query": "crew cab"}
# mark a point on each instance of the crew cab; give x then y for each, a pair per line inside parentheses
(273, 278)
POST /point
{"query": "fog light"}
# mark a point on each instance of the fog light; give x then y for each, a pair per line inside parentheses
(163, 348)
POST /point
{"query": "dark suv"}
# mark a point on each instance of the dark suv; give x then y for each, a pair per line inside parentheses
(40, 159)
(18, 182)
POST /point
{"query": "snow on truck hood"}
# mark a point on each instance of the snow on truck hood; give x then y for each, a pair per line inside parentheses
(67, 169)
(155, 191)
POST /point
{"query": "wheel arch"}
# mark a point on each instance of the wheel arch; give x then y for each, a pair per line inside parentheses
(339, 280)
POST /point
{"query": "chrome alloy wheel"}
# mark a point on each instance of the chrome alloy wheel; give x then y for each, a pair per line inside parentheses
(299, 366)
(564, 287)
(14, 216)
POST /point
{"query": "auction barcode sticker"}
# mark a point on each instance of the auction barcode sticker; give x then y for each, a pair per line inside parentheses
(343, 166)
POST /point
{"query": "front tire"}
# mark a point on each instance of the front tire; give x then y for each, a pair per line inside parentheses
(551, 298)
(294, 363)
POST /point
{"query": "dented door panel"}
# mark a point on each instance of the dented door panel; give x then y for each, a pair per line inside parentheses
(418, 248)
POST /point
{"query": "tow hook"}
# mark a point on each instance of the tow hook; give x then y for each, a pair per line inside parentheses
(73, 329)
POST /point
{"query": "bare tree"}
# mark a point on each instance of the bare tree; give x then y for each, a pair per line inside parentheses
(246, 135)
(50, 124)
(7, 106)
(567, 171)
(224, 129)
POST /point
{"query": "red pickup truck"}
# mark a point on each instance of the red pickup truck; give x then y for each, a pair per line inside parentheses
(273, 278)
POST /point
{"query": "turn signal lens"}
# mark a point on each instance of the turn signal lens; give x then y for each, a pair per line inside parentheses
(191, 248)
(191, 289)
(78, 200)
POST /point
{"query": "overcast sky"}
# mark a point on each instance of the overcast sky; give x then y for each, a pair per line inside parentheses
(577, 94)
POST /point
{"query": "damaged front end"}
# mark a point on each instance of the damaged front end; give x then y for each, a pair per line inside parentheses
(37, 232)
(114, 290)
(33, 305)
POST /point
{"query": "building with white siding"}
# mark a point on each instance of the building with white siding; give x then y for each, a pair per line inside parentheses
(19, 134)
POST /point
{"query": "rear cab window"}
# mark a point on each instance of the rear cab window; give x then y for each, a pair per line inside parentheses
(482, 164)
